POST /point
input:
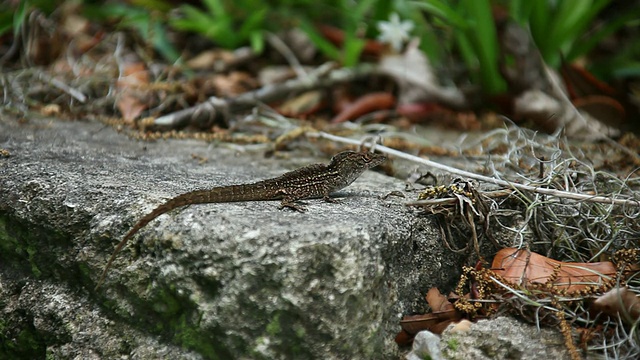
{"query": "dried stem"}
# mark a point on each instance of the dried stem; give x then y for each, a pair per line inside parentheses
(499, 182)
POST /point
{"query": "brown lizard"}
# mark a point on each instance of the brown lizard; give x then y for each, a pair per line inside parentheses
(312, 181)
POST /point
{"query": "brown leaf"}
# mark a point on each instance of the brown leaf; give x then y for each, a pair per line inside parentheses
(235, 83)
(133, 99)
(336, 36)
(442, 307)
(130, 107)
(604, 108)
(364, 105)
(525, 267)
(437, 301)
(303, 104)
(619, 302)
(404, 338)
(580, 82)
(442, 314)
(416, 323)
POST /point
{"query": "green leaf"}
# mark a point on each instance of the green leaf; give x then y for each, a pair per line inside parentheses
(252, 23)
(257, 42)
(571, 20)
(440, 9)
(352, 49)
(19, 17)
(162, 44)
(194, 20)
(362, 7)
(430, 44)
(327, 48)
(216, 8)
(484, 39)
(585, 44)
(521, 10)
(539, 24)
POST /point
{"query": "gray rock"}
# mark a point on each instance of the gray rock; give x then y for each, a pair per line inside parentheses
(241, 280)
(503, 338)
(426, 345)
(213, 281)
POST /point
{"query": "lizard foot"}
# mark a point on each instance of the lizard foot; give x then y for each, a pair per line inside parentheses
(292, 205)
(330, 199)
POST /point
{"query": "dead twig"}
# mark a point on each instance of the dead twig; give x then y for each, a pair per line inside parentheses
(215, 108)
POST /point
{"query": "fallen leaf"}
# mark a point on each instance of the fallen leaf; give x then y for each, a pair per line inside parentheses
(620, 302)
(364, 105)
(442, 314)
(336, 36)
(133, 93)
(303, 104)
(524, 267)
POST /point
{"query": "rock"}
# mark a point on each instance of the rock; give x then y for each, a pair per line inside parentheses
(503, 338)
(426, 345)
(213, 281)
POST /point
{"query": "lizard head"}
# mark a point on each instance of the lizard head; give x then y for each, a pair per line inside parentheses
(355, 163)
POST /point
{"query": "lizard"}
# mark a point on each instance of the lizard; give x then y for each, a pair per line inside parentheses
(312, 181)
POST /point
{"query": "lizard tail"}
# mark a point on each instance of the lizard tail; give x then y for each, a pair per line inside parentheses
(221, 194)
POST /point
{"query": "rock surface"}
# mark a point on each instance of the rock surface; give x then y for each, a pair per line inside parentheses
(499, 338)
(212, 281)
(503, 338)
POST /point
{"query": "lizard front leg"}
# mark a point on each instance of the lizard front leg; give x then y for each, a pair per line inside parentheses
(329, 199)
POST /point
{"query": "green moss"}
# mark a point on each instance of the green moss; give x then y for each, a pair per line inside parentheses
(167, 303)
(85, 270)
(175, 317)
(273, 328)
(300, 331)
(7, 243)
(31, 251)
(26, 345)
(27, 246)
(453, 344)
(191, 337)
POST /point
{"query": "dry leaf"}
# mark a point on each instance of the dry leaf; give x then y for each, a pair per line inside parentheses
(619, 302)
(442, 314)
(364, 105)
(133, 93)
(235, 83)
(524, 267)
(303, 104)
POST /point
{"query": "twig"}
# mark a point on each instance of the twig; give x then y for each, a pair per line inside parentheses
(285, 51)
(74, 93)
(499, 182)
(211, 109)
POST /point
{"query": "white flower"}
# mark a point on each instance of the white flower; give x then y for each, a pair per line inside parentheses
(394, 32)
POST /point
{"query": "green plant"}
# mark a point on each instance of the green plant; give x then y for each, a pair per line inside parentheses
(12, 19)
(561, 28)
(366, 20)
(351, 21)
(147, 20)
(453, 344)
(474, 34)
(228, 24)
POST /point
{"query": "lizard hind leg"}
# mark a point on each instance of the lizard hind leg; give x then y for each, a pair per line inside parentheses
(290, 203)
